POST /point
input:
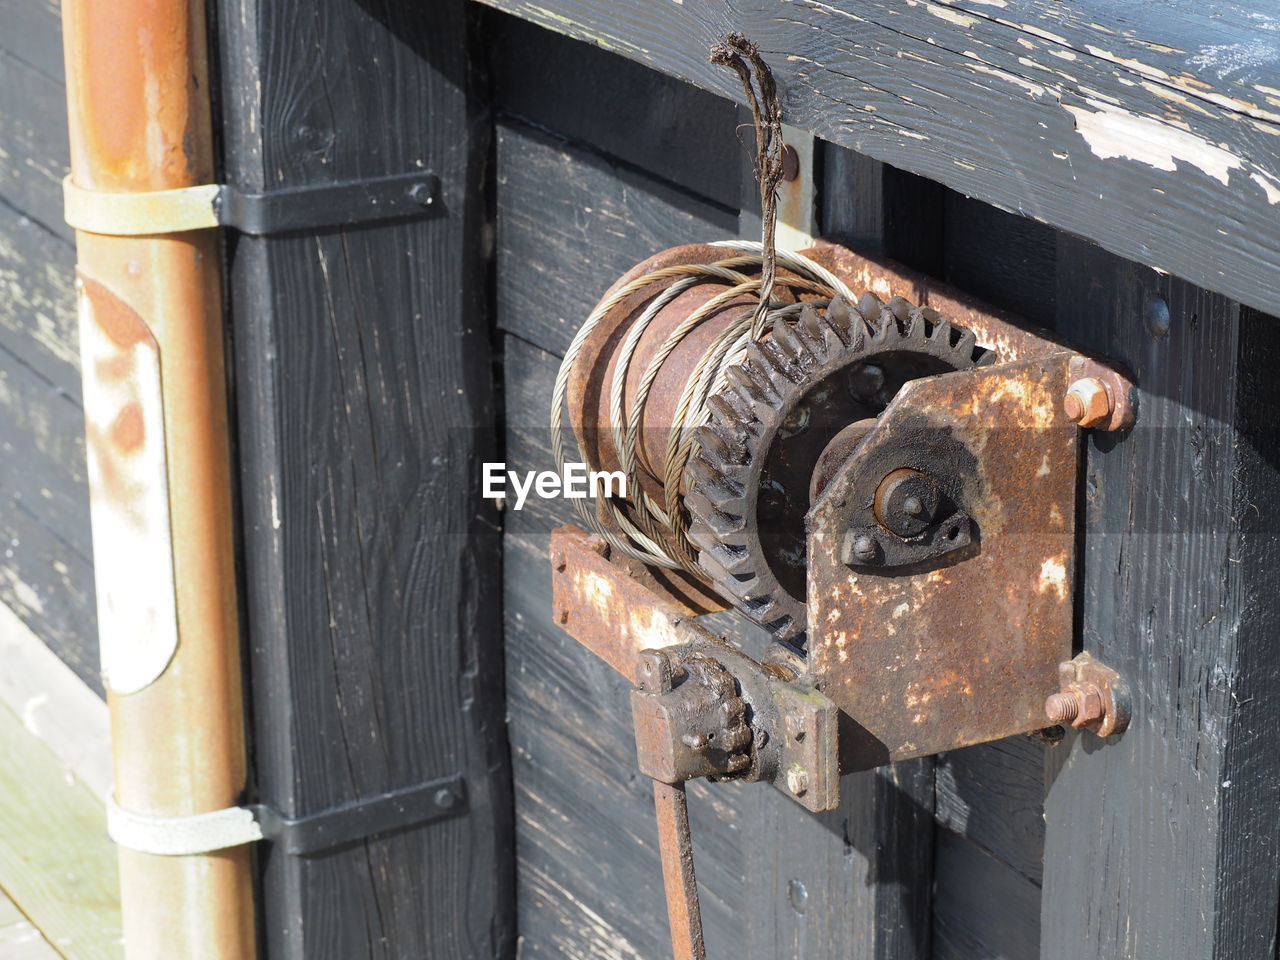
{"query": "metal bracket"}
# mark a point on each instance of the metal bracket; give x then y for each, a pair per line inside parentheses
(314, 207)
(305, 836)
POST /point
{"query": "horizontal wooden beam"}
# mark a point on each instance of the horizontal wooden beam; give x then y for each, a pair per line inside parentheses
(1152, 130)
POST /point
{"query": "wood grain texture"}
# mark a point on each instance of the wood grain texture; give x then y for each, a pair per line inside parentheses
(993, 915)
(33, 33)
(993, 796)
(637, 116)
(56, 862)
(33, 142)
(1152, 135)
(46, 572)
(570, 222)
(364, 411)
(1162, 843)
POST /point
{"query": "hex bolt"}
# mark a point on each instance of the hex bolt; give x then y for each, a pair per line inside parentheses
(1082, 704)
(1088, 402)
(798, 781)
(865, 549)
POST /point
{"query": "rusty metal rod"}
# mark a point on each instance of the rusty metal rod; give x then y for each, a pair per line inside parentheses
(159, 463)
(676, 846)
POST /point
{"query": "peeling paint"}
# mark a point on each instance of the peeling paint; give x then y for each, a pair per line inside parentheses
(1111, 132)
(951, 16)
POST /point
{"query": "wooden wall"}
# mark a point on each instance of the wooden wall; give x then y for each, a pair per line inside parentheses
(46, 572)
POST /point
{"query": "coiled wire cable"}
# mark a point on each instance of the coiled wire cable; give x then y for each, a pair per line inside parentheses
(646, 524)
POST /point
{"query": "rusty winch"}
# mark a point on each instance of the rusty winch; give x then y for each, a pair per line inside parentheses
(875, 469)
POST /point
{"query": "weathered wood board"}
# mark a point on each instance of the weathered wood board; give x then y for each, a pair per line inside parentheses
(1151, 134)
(365, 408)
(46, 573)
(1164, 842)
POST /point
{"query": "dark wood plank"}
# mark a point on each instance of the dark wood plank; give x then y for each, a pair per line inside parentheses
(993, 915)
(33, 142)
(33, 33)
(570, 222)
(50, 586)
(38, 305)
(364, 411)
(43, 468)
(993, 796)
(668, 129)
(1132, 128)
(1009, 261)
(1163, 843)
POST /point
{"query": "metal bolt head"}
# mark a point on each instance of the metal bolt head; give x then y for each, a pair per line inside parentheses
(865, 550)
(906, 502)
(423, 193)
(866, 380)
(798, 781)
(1088, 402)
(445, 798)
(790, 162)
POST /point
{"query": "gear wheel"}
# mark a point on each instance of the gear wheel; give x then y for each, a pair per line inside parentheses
(749, 487)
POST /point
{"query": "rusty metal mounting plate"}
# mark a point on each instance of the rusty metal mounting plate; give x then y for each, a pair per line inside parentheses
(967, 650)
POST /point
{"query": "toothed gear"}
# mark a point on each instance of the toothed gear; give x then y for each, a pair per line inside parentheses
(748, 489)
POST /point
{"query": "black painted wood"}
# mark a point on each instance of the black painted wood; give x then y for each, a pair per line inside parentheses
(992, 915)
(365, 407)
(570, 222)
(1162, 843)
(634, 115)
(1134, 126)
(992, 795)
(46, 573)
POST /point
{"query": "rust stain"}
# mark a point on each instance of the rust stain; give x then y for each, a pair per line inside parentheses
(965, 652)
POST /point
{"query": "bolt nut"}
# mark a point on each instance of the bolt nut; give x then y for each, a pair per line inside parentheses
(1088, 402)
(1081, 704)
(798, 781)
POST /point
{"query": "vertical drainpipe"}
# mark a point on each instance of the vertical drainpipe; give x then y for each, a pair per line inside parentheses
(159, 466)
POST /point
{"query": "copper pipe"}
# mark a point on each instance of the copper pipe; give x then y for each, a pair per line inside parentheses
(139, 117)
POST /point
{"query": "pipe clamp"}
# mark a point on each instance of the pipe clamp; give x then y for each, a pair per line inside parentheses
(312, 207)
(314, 834)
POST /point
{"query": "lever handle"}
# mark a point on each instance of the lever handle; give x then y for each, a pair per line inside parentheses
(676, 847)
